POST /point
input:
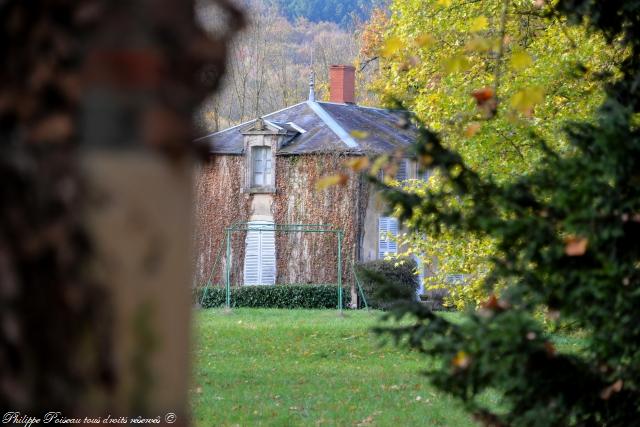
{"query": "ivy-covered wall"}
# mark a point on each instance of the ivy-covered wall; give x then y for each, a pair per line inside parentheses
(301, 257)
(312, 257)
(219, 203)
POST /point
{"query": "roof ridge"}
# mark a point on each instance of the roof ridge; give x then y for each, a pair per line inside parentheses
(333, 124)
(248, 121)
(343, 104)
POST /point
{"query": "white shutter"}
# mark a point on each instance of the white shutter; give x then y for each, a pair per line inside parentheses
(268, 257)
(420, 266)
(393, 230)
(403, 170)
(387, 226)
(382, 240)
(252, 259)
(260, 254)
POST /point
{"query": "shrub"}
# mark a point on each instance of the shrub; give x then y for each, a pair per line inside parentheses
(400, 272)
(279, 296)
(437, 299)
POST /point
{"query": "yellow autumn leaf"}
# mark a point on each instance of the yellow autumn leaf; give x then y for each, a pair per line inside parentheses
(357, 164)
(426, 160)
(479, 23)
(425, 40)
(331, 180)
(445, 3)
(456, 64)
(359, 134)
(461, 360)
(526, 99)
(520, 60)
(391, 46)
(455, 171)
(478, 44)
(379, 163)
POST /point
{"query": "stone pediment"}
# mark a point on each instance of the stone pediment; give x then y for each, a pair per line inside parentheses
(262, 127)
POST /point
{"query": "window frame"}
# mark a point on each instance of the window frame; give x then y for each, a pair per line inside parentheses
(260, 174)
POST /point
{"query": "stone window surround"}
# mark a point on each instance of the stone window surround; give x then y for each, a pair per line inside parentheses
(259, 139)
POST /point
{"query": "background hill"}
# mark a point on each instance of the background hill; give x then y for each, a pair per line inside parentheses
(270, 62)
(342, 12)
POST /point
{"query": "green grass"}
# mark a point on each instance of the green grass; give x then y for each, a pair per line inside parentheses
(309, 367)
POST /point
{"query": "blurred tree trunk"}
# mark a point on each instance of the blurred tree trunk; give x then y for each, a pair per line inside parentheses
(96, 105)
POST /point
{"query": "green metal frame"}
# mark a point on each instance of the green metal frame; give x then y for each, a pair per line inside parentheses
(357, 280)
(213, 270)
(285, 228)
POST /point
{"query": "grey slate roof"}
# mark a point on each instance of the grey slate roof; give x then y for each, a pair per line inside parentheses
(328, 128)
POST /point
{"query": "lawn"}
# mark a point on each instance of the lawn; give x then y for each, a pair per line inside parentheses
(309, 367)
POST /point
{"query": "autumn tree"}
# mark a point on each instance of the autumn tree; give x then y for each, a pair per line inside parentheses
(567, 233)
(449, 64)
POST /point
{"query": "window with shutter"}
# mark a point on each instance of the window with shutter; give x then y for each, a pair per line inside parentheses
(387, 227)
(262, 166)
(403, 170)
(260, 254)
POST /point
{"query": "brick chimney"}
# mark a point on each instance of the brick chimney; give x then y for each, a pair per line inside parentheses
(342, 84)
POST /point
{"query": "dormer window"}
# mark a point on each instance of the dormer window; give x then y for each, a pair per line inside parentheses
(262, 165)
(262, 139)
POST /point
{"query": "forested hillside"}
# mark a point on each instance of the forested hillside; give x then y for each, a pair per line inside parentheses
(341, 12)
(270, 63)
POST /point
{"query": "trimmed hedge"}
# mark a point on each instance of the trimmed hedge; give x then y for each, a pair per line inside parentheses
(402, 276)
(278, 296)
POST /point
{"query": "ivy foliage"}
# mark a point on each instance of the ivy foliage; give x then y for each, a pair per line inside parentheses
(454, 63)
(567, 236)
